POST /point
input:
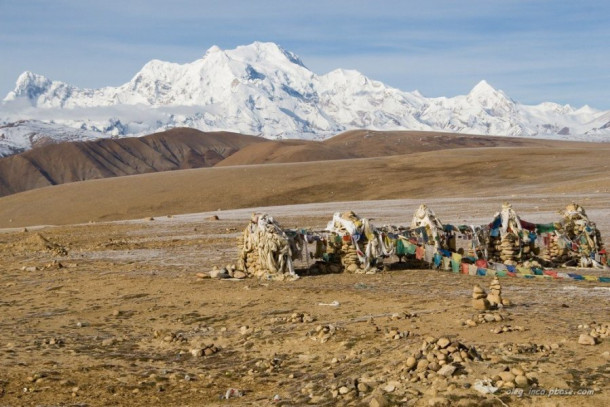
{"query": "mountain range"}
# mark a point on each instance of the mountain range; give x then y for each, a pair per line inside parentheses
(262, 89)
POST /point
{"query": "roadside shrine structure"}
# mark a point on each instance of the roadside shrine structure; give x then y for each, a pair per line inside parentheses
(507, 246)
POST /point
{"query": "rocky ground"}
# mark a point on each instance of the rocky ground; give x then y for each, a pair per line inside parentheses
(115, 314)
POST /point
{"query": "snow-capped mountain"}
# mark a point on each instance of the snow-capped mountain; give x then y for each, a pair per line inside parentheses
(262, 89)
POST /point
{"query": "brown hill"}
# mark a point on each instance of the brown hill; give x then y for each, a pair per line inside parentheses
(286, 151)
(365, 143)
(183, 148)
(563, 169)
(368, 144)
(179, 148)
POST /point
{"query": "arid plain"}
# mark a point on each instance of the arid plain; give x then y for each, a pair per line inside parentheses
(103, 302)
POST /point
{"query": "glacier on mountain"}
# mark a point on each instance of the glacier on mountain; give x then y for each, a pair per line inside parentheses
(262, 89)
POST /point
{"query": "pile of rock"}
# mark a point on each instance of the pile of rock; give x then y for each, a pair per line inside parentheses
(229, 271)
(596, 333)
(395, 333)
(296, 317)
(264, 249)
(525, 348)
(483, 318)
(206, 350)
(171, 337)
(578, 228)
(554, 253)
(600, 330)
(402, 315)
(507, 328)
(54, 342)
(38, 242)
(355, 241)
(482, 301)
(505, 249)
(441, 356)
(495, 295)
(479, 298)
(349, 257)
(515, 377)
(322, 333)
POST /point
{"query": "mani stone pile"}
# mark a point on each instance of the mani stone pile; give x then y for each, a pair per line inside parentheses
(340, 244)
(511, 244)
(506, 248)
(264, 249)
(555, 253)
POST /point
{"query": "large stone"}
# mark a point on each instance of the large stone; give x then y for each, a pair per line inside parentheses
(219, 273)
(521, 381)
(481, 304)
(585, 339)
(478, 289)
(422, 365)
(447, 370)
(411, 362)
(378, 400)
(239, 274)
(506, 376)
(443, 342)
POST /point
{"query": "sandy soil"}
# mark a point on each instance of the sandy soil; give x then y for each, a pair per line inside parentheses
(120, 318)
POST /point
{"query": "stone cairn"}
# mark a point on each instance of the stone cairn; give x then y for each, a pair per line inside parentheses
(507, 246)
(479, 298)
(578, 228)
(425, 217)
(264, 249)
(495, 295)
(354, 241)
(554, 253)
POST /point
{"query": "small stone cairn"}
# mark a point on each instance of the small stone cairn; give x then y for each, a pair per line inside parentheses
(495, 295)
(479, 298)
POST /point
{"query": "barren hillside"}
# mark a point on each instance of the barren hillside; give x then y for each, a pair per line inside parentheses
(183, 148)
(448, 173)
(174, 149)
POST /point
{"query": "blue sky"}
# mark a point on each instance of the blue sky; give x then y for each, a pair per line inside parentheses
(534, 50)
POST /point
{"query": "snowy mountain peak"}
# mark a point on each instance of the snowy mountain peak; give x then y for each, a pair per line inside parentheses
(484, 91)
(490, 98)
(212, 50)
(264, 51)
(483, 87)
(263, 89)
(29, 85)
